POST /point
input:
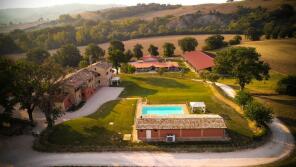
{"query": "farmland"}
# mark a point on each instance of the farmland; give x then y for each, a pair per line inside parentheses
(280, 54)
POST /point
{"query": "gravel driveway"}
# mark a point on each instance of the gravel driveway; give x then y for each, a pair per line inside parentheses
(21, 154)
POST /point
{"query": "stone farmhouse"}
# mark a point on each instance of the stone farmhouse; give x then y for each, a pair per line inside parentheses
(80, 85)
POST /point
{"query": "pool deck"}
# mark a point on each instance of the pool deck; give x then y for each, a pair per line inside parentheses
(140, 105)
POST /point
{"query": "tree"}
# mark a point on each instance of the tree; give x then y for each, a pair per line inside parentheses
(242, 63)
(68, 55)
(37, 55)
(253, 34)
(215, 42)
(168, 49)
(127, 56)
(83, 63)
(207, 75)
(28, 84)
(94, 52)
(116, 57)
(49, 87)
(259, 113)
(116, 45)
(138, 51)
(243, 98)
(153, 50)
(127, 68)
(287, 85)
(236, 40)
(268, 29)
(7, 45)
(7, 85)
(188, 44)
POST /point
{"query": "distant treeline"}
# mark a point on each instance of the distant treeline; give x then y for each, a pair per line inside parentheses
(279, 23)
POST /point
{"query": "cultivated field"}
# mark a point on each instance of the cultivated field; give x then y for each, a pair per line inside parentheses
(280, 54)
(159, 41)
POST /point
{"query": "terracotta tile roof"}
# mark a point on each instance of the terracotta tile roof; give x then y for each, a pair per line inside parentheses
(78, 78)
(186, 121)
(101, 64)
(199, 60)
(154, 64)
(150, 58)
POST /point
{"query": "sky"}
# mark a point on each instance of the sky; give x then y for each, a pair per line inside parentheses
(41, 3)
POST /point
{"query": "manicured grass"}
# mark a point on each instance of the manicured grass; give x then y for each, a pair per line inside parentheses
(95, 129)
(160, 90)
(280, 54)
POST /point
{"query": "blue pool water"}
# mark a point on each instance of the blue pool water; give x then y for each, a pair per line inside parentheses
(162, 110)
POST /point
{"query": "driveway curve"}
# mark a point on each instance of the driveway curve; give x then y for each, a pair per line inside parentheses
(14, 152)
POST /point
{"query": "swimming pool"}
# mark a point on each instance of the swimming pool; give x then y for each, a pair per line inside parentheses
(162, 110)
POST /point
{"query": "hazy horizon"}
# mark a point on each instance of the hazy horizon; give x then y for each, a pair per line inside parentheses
(7, 4)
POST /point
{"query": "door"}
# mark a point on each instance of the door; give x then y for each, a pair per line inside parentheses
(148, 134)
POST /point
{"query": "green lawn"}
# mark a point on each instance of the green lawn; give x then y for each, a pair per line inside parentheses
(95, 129)
(160, 90)
(94, 132)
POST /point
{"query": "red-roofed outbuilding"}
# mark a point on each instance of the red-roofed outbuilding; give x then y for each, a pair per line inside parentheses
(199, 60)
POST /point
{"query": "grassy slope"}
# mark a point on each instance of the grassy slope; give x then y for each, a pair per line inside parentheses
(280, 54)
(95, 129)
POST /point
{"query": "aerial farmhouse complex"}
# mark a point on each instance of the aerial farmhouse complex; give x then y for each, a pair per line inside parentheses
(80, 85)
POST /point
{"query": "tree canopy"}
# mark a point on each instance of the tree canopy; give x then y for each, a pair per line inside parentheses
(37, 55)
(137, 50)
(153, 50)
(94, 52)
(187, 44)
(68, 55)
(242, 63)
(116, 45)
(215, 42)
(168, 49)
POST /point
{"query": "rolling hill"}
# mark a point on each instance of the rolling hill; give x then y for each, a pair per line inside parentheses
(204, 8)
(25, 15)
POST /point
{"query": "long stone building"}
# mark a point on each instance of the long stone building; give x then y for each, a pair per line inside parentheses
(82, 84)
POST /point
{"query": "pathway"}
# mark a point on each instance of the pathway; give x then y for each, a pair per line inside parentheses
(280, 146)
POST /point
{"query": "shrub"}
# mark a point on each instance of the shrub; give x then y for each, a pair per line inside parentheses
(243, 98)
(161, 71)
(236, 40)
(259, 113)
(207, 75)
(287, 85)
(127, 68)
